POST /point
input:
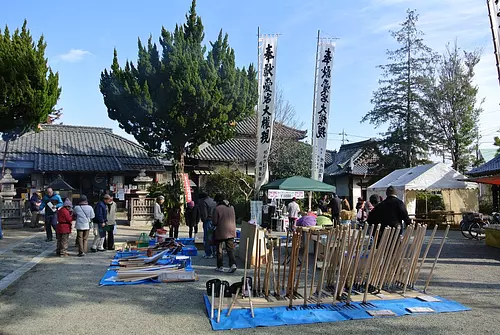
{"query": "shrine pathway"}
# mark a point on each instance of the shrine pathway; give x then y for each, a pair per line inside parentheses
(62, 296)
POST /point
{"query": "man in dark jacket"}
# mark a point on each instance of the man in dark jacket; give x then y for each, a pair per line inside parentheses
(336, 206)
(389, 213)
(206, 206)
(100, 220)
(224, 220)
(51, 202)
(35, 202)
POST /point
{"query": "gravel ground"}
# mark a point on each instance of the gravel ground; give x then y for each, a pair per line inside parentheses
(61, 296)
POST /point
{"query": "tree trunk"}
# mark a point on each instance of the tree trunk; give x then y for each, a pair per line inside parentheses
(5, 157)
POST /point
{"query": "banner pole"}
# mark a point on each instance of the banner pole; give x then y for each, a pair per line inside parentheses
(313, 157)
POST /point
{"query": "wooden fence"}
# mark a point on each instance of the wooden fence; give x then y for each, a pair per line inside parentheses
(140, 211)
(13, 213)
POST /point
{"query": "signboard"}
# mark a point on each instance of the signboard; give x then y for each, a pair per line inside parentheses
(256, 212)
(283, 194)
(321, 107)
(187, 187)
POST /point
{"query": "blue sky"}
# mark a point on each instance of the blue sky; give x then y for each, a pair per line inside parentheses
(81, 36)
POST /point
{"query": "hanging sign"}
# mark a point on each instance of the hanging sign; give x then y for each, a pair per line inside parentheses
(187, 187)
(283, 194)
(321, 107)
(265, 108)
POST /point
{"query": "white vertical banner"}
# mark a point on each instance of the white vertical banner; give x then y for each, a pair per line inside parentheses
(494, 12)
(321, 107)
(265, 110)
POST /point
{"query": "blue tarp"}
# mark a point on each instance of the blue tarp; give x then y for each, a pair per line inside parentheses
(280, 316)
(166, 260)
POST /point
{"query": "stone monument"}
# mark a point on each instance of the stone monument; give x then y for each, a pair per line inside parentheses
(8, 190)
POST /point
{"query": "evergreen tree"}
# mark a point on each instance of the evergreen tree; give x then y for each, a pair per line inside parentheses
(496, 142)
(397, 102)
(173, 101)
(452, 106)
(29, 89)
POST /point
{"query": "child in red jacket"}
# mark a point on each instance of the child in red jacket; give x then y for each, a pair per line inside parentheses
(63, 228)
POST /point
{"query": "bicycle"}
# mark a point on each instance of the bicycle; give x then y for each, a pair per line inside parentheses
(473, 225)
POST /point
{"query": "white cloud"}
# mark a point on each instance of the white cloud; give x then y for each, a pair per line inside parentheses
(74, 55)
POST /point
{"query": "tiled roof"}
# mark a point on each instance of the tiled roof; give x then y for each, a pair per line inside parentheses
(247, 128)
(238, 150)
(76, 148)
(330, 157)
(353, 158)
(488, 168)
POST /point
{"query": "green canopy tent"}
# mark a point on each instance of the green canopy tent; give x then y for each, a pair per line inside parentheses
(299, 184)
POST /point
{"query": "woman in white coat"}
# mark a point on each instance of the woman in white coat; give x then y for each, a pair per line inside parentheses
(83, 213)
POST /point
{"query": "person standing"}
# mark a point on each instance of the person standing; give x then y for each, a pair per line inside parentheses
(158, 216)
(174, 221)
(63, 228)
(224, 220)
(51, 202)
(293, 210)
(83, 214)
(192, 216)
(35, 202)
(206, 206)
(391, 212)
(336, 206)
(324, 204)
(109, 241)
(361, 212)
(99, 224)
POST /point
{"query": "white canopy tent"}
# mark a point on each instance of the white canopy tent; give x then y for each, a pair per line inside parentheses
(458, 196)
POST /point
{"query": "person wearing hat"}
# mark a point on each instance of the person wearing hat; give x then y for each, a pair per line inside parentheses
(63, 228)
(158, 215)
(224, 220)
(100, 220)
(192, 216)
(83, 214)
(293, 210)
(391, 212)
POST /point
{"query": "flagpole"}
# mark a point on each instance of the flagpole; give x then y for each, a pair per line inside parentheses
(494, 25)
(314, 110)
(256, 195)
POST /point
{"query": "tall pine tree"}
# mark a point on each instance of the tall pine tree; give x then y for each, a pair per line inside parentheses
(397, 102)
(174, 100)
(451, 104)
(29, 90)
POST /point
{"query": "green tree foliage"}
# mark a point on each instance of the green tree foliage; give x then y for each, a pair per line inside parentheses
(293, 158)
(29, 89)
(171, 192)
(397, 100)
(451, 104)
(174, 99)
(234, 184)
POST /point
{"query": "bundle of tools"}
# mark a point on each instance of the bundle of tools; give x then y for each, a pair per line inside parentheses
(354, 263)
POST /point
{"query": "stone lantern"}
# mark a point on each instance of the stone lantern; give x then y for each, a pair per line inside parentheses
(8, 190)
(143, 182)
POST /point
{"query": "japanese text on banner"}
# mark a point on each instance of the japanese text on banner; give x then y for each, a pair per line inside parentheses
(322, 108)
(265, 120)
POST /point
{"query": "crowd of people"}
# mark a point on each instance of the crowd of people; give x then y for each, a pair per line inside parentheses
(59, 216)
(388, 212)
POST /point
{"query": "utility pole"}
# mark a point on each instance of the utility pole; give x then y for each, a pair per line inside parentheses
(343, 136)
